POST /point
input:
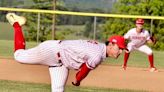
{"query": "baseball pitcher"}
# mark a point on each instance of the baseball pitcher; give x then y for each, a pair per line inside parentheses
(61, 56)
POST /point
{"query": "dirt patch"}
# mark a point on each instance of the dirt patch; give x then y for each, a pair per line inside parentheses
(104, 76)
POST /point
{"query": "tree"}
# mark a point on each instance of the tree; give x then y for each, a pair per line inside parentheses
(88, 28)
(8, 3)
(88, 32)
(137, 7)
(45, 21)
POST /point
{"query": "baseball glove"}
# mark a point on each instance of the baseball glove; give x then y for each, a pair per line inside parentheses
(153, 39)
(76, 84)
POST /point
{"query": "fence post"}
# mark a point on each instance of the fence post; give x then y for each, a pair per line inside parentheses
(38, 28)
(94, 27)
(151, 28)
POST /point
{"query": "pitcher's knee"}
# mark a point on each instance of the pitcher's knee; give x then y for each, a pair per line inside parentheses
(18, 57)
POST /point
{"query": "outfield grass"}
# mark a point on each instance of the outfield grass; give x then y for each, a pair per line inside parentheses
(7, 47)
(6, 31)
(14, 86)
(137, 59)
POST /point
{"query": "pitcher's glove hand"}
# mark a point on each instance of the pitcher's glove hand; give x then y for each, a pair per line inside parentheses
(124, 67)
(76, 84)
(153, 39)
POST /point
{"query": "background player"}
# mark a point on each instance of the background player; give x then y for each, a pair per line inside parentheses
(60, 56)
(138, 38)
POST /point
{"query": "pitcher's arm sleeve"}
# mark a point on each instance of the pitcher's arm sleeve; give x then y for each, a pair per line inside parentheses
(82, 73)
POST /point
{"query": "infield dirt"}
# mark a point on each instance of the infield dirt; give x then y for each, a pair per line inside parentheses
(104, 76)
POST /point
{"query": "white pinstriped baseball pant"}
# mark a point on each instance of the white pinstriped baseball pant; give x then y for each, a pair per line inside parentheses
(46, 54)
(143, 48)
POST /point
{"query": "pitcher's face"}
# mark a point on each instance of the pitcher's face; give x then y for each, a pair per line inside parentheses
(113, 50)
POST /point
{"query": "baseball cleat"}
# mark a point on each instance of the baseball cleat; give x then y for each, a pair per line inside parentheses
(153, 69)
(12, 18)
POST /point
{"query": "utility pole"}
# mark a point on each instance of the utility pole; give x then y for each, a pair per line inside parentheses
(53, 20)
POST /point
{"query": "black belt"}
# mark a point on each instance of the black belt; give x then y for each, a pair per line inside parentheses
(58, 55)
(59, 61)
(60, 41)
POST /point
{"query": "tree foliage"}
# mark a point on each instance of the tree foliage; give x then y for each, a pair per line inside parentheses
(137, 7)
(88, 28)
(8, 3)
(45, 20)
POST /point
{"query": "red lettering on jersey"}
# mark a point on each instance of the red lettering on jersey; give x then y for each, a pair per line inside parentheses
(138, 37)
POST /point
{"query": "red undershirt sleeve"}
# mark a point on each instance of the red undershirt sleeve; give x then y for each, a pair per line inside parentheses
(82, 73)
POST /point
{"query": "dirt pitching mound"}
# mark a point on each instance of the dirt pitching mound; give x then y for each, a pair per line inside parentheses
(105, 76)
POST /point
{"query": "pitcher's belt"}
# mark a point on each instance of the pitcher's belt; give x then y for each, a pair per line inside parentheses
(59, 58)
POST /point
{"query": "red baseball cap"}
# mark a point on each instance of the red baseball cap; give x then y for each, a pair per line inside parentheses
(140, 21)
(119, 40)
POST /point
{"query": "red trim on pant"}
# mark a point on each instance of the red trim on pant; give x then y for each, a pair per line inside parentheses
(19, 41)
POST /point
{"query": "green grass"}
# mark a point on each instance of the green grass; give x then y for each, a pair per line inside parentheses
(7, 47)
(87, 89)
(72, 27)
(15, 86)
(138, 59)
(12, 86)
(6, 31)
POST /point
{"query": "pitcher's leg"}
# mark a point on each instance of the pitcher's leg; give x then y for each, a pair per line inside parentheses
(16, 21)
(28, 56)
(43, 54)
(59, 77)
(19, 42)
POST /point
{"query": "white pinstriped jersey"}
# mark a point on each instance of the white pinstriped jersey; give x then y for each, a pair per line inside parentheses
(76, 52)
(73, 53)
(137, 39)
